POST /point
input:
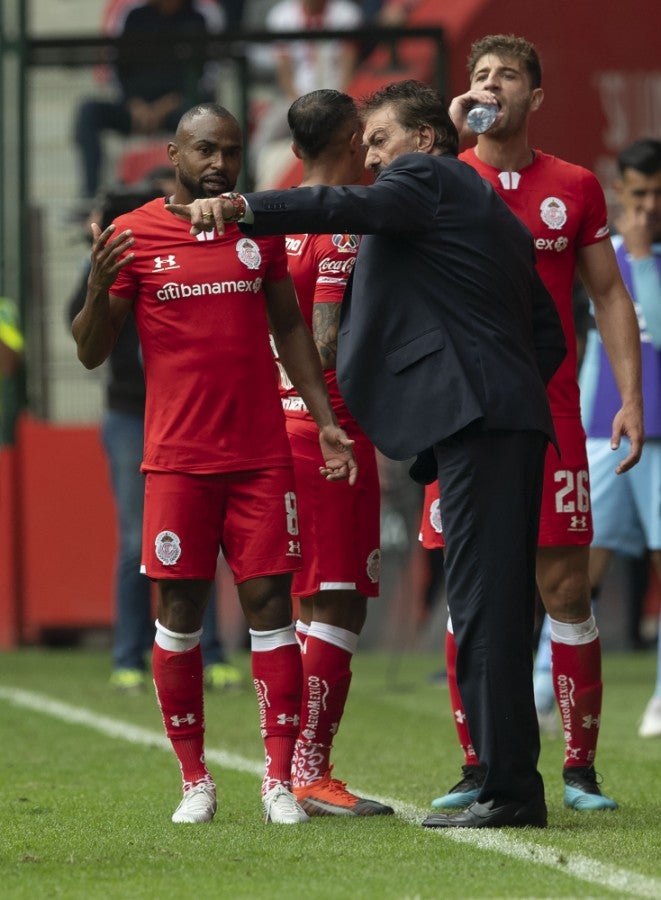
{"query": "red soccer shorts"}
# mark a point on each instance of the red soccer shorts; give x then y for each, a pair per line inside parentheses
(566, 515)
(251, 516)
(340, 527)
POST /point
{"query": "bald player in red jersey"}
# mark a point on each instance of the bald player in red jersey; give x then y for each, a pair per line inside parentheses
(217, 460)
(339, 524)
(563, 206)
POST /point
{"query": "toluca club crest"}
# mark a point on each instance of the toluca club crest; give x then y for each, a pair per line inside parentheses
(248, 252)
(374, 566)
(168, 547)
(553, 213)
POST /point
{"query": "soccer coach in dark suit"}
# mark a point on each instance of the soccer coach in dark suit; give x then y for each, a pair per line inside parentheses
(447, 340)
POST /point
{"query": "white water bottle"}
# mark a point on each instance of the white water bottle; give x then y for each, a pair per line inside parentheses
(481, 117)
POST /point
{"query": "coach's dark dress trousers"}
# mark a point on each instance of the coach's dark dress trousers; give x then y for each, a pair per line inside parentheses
(493, 615)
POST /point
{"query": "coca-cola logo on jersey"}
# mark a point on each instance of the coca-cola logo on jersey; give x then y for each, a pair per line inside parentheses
(337, 266)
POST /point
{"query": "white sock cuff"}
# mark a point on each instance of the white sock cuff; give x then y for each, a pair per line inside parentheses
(175, 642)
(263, 641)
(574, 633)
(331, 634)
(449, 625)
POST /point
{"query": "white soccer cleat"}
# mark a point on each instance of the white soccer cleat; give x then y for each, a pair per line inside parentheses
(282, 807)
(650, 725)
(198, 804)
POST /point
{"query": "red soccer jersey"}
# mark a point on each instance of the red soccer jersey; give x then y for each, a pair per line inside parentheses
(564, 208)
(212, 398)
(320, 265)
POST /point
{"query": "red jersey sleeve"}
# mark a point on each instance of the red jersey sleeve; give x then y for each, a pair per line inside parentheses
(594, 225)
(276, 257)
(335, 257)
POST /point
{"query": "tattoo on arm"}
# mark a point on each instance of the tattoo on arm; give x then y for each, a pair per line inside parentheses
(325, 324)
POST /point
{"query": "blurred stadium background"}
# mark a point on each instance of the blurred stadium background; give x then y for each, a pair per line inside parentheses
(57, 528)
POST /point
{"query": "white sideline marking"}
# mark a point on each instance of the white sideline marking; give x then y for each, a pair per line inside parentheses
(495, 840)
(115, 728)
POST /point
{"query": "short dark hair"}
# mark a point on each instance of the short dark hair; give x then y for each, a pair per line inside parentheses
(643, 155)
(417, 104)
(203, 109)
(315, 119)
(503, 45)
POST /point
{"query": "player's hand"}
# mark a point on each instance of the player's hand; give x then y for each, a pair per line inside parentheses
(628, 422)
(460, 106)
(637, 230)
(336, 448)
(205, 214)
(109, 255)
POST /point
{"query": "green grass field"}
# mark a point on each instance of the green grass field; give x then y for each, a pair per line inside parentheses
(87, 787)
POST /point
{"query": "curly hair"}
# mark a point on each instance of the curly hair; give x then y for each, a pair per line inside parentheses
(508, 45)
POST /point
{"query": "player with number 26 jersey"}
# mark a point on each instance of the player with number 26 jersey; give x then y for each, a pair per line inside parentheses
(563, 207)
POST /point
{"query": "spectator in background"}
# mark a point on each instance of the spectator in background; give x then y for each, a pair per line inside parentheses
(122, 431)
(152, 96)
(304, 66)
(627, 508)
(217, 13)
(387, 12)
(11, 363)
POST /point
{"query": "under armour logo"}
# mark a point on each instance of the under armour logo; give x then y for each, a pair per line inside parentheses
(460, 716)
(578, 523)
(573, 754)
(188, 719)
(294, 548)
(282, 719)
(165, 262)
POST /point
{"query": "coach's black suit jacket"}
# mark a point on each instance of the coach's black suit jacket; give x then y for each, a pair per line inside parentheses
(445, 320)
(447, 340)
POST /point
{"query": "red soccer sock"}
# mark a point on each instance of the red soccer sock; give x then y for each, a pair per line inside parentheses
(278, 676)
(578, 690)
(458, 711)
(178, 679)
(326, 681)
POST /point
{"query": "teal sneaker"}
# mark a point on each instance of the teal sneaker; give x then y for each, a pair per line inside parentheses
(464, 792)
(222, 677)
(129, 680)
(582, 789)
